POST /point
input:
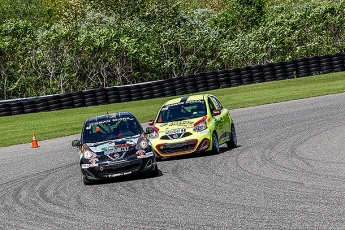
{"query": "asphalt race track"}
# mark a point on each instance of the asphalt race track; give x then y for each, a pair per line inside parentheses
(287, 173)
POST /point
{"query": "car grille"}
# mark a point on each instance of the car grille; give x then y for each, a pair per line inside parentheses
(176, 148)
(110, 171)
(172, 137)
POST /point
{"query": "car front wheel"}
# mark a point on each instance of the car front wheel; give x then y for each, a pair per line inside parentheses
(155, 172)
(215, 144)
(85, 180)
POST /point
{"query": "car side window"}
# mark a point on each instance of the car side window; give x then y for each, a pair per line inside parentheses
(217, 103)
(211, 105)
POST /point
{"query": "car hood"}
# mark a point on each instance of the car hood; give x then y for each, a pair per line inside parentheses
(114, 150)
(177, 126)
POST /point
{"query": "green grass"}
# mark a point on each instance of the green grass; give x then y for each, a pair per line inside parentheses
(18, 129)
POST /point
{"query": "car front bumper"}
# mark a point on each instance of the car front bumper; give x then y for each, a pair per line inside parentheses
(118, 169)
(198, 142)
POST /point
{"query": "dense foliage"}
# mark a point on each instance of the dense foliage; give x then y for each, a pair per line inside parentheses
(57, 46)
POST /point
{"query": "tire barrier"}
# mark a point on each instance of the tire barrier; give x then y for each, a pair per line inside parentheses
(113, 95)
(258, 74)
(78, 99)
(125, 93)
(303, 67)
(41, 104)
(29, 106)
(146, 90)
(89, 97)
(314, 65)
(101, 96)
(268, 70)
(17, 108)
(53, 102)
(279, 70)
(338, 62)
(223, 78)
(212, 80)
(291, 69)
(156, 87)
(246, 75)
(188, 84)
(66, 100)
(5, 109)
(326, 64)
(201, 82)
(135, 92)
(179, 86)
(168, 88)
(235, 77)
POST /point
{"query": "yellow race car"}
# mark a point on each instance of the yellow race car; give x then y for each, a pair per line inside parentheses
(191, 124)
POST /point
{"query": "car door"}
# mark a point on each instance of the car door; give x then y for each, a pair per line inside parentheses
(224, 117)
(218, 119)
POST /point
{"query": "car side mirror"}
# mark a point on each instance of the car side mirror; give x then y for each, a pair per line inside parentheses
(149, 130)
(216, 112)
(76, 143)
(151, 122)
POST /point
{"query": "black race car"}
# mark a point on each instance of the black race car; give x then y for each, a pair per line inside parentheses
(114, 145)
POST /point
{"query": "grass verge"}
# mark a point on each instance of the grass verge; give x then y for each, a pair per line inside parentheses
(18, 129)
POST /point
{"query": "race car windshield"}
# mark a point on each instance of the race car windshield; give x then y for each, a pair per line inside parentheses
(182, 111)
(111, 130)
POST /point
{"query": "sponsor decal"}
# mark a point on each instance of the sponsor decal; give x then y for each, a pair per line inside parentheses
(180, 123)
(93, 161)
(124, 161)
(205, 132)
(175, 131)
(141, 147)
(118, 174)
(85, 166)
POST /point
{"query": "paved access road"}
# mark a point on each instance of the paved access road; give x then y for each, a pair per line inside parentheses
(287, 173)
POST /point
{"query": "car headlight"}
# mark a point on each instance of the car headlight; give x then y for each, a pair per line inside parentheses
(87, 154)
(153, 135)
(200, 126)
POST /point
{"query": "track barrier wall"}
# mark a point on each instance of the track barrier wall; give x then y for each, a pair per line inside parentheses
(192, 83)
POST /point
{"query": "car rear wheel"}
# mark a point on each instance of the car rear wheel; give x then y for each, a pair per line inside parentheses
(233, 140)
(215, 144)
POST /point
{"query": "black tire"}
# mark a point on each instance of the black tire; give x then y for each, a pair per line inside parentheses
(113, 95)
(212, 80)
(215, 144)
(17, 108)
(235, 77)
(247, 79)
(53, 102)
(157, 93)
(101, 96)
(258, 77)
(41, 104)
(85, 180)
(5, 110)
(29, 106)
(155, 172)
(338, 68)
(90, 97)
(78, 99)
(189, 82)
(233, 140)
(66, 100)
